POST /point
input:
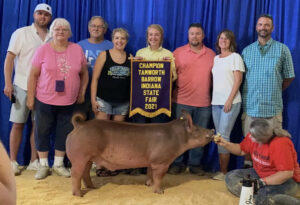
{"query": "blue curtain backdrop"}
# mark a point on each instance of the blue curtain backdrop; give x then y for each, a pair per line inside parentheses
(175, 16)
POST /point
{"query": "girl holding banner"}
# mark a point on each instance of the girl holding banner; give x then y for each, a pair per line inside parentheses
(155, 52)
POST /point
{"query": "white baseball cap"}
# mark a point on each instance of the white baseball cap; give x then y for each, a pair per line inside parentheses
(43, 7)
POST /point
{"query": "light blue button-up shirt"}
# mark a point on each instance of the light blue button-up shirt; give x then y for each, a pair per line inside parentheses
(266, 68)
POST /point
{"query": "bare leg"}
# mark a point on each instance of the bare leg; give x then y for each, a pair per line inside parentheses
(102, 116)
(15, 140)
(149, 181)
(120, 118)
(59, 153)
(224, 161)
(34, 154)
(43, 154)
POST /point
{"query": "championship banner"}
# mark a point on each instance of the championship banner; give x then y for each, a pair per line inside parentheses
(151, 86)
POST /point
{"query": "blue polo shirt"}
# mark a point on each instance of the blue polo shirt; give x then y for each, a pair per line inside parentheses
(266, 68)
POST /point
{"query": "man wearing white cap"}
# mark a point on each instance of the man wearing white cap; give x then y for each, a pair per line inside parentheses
(23, 43)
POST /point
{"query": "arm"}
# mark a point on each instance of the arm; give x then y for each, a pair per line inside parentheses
(96, 74)
(286, 83)
(278, 178)
(233, 148)
(238, 77)
(31, 86)
(7, 181)
(84, 80)
(8, 71)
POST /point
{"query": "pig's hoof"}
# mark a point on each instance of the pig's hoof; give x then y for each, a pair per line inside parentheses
(90, 186)
(77, 193)
(158, 191)
(149, 182)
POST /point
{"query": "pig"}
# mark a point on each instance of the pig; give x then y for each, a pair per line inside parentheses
(122, 145)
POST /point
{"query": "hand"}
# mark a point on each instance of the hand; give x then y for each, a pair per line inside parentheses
(227, 106)
(95, 106)
(80, 99)
(30, 103)
(260, 183)
(220, 140)
(8, 90)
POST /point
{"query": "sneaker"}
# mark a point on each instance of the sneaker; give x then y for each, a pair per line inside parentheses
(15, 167)
(176, 169)
(61, 171)
(42, 172)
(33, 165)
(219, 176)
(196, 170)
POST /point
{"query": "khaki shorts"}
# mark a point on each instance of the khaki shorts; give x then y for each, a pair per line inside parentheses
(276, 122)
(19, 111)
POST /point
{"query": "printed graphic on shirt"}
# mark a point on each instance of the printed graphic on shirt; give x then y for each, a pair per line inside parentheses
(91, 57)
(261, 159)
(118, 72)
(63, 65)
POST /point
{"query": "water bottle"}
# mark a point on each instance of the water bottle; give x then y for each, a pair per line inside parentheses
(247, 192)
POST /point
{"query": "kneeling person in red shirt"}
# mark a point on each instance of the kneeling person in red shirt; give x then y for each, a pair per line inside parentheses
(274, 164)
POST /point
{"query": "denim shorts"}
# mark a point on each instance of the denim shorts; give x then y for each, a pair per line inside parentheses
(224, 122)
(113, 108)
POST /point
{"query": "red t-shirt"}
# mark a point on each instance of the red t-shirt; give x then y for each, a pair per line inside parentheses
(278, 155)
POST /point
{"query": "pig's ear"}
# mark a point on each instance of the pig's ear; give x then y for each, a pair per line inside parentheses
(189, 122)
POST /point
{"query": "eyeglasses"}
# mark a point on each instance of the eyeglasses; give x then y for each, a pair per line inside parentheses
(61, 30)
(96, 26)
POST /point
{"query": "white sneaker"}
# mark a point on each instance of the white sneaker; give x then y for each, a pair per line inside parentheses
(42, 172)
(15, 167)
(219, 176)
(33, 165)
(61, 171)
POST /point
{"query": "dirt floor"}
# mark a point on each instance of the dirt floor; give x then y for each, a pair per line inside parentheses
(184, 189)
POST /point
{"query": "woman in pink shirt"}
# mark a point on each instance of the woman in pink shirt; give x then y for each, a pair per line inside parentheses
(58, 80)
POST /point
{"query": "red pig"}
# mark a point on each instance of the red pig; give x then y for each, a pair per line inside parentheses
(122, 145)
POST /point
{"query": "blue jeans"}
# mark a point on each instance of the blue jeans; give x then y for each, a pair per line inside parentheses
(264, 194)
(224, 122)
(201, 117)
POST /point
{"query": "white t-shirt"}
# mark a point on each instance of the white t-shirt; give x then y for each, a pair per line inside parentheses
(23, 43)
(223, 78)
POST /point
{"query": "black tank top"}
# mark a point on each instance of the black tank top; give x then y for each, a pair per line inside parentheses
(114, 81)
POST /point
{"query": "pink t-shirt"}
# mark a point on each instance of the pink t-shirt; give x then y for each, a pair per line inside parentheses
(194, 76)
(54, 66)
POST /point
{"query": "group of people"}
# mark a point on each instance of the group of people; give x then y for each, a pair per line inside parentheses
(54, 77)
